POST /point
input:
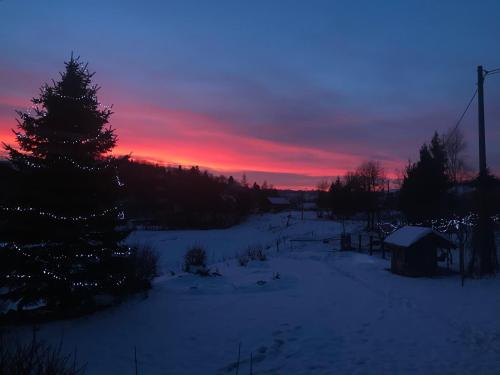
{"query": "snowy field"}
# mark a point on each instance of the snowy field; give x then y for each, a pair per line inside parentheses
(329, 312)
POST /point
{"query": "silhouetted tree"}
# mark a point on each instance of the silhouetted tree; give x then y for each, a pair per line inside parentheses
(244, 181)
(455, 145)
(64, 222)
(425, 183)
(371, 178)
(323, 200)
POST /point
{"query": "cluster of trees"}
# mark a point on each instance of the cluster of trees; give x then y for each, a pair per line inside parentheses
(188, 197)
(439, 184)
(427, 191)
(359, 191)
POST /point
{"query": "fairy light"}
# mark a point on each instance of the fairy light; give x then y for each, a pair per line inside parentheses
(38, 111)
(47, 91)
(34, 117)
(83, 167)
(84, 284)
(121, 281)
(108, 162)
(53, 275)
(78, 98)
(15, 275)
(120, 215)
(89, 254)
(66, 141)
(439, 225)
(122, 253)
(48, 273)
(118, 181)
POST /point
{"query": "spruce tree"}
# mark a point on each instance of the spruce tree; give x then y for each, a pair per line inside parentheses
(63, 225)
(423, 192)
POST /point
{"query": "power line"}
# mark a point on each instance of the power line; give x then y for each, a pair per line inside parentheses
(492, 71)
(466, 109)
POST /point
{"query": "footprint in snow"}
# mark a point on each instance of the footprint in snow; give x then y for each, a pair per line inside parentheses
(278, 343)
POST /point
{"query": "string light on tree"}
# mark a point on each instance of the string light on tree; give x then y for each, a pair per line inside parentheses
(69, 195)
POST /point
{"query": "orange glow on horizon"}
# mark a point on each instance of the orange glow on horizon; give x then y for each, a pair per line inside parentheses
(173, 137)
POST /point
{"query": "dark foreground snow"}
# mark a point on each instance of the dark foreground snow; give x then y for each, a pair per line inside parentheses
(329, 312)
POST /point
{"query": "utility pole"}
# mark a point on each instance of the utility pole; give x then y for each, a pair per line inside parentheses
(484, 248)
(480, 102)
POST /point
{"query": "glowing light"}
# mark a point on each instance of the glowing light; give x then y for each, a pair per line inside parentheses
(120, 215)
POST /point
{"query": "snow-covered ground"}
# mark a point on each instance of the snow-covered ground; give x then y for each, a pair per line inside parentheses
(329, 312)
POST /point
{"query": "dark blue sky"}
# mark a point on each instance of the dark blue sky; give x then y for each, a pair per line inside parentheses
(285, 90)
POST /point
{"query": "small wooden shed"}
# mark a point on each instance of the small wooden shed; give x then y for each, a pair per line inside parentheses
(414, 250)
(278, 203)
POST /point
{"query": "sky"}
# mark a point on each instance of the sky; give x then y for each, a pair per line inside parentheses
(291, 92)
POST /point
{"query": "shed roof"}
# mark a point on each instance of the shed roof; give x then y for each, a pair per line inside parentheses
(408, 235)
(278, 200)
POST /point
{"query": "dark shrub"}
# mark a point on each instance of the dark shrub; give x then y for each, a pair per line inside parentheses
(252, 253)
(145, 261)
(195, 259)
(35, 358)
(256, 253)
(243, 260)
(139, 267)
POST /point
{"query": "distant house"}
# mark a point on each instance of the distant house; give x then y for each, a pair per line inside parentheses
(278, 203)
(309, 206)
(414, 250)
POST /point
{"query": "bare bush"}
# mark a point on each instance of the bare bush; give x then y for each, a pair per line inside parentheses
(144, 266)
(252, 253)
(195, 259)
(146, 261)
(256, 253)
(243, 260)
(35, 358)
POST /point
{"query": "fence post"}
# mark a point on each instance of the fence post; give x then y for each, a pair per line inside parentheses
(383, 249)
(238, 363)
(371, 244)
(359, 242)
(135, 361)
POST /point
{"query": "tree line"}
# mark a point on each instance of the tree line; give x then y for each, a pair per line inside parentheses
(438, 185)
(181, 197)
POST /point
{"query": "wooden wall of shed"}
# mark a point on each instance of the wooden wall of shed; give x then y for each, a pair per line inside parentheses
(419, 259)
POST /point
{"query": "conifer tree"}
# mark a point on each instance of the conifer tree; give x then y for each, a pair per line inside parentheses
(64, 225)
(423, 192)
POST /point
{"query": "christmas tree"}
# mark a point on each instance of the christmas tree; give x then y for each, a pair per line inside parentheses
(63, 224)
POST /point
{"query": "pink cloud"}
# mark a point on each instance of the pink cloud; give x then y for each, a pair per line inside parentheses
(174, 136)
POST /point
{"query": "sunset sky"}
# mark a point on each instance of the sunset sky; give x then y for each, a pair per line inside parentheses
(286, 91)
